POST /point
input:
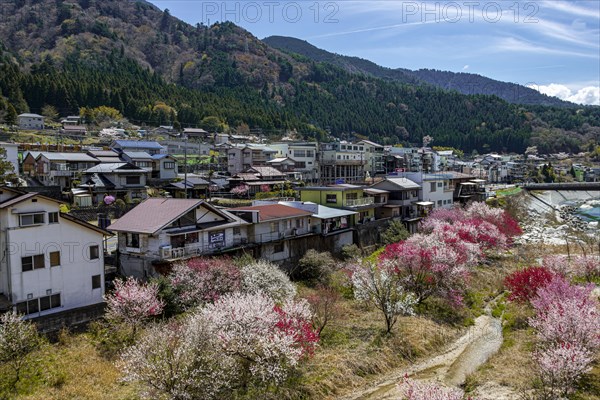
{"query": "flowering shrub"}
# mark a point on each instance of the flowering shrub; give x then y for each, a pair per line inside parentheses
(561, 364)
(567, 324)
(587, 266)
(133, 302)
(559, 264)
(413, 390)
(240, 190)
(381, 286)
(18, 338)
(178, 361)
(264, 340)
(426, 266)
(524, 284)
(204, 280)
(265, 277)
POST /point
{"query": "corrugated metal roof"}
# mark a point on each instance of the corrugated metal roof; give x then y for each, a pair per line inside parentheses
(153, 214)
(139, 144)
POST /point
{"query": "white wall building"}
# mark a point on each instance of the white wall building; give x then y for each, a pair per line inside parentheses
(30, 121)
(52, 261)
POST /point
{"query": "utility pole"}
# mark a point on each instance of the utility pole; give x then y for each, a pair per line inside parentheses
(185, 182)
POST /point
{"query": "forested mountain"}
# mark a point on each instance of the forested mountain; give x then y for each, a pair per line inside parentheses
(464, 83)
(157, 69)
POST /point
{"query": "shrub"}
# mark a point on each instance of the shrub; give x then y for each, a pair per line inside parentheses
(560, 366)
(263, 276)
(524, 284)
(202, 280)
(351, 252)
(395, 232)
(314, 266)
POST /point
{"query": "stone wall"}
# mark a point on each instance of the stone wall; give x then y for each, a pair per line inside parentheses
(73, 319)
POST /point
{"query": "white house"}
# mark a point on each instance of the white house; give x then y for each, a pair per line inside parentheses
(435, 188)
(52, 261)
(162, 230)
(30, 121)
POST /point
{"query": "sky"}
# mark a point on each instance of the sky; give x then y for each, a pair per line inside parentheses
(550, 45)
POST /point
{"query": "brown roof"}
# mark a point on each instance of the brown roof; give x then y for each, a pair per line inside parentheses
(275, 211)
(86, 224)
(153, 214)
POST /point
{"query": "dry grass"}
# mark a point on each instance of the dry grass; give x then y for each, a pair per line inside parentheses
(74, 370)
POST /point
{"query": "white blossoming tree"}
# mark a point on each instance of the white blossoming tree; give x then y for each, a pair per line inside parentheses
(381, 287)
(265, 277)
(18, 339)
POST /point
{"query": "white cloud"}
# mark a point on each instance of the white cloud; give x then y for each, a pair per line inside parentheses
(466, 67)
(586, 95)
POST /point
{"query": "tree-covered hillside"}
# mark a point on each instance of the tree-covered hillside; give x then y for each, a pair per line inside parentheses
(156, 69)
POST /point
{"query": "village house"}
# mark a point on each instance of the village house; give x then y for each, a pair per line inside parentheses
(240, 157)
(61, 169)
(274, 227)
(121, 180)
(304, 155)
(402, 198)
(138, 145)
(258, 178)
(105, 156)
(52, 261)
(74, 130)
(344, 196)
(163, 230)
(30, 121)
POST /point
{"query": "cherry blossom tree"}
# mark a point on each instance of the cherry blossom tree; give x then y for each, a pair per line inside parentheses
(202, 280)
(382, 287)
(18, 338)
(426, 265)
(587, 266)
(265, 341)
(178, 361)
(265, 277)
(133, 302)
(414, 390)
(559, 264)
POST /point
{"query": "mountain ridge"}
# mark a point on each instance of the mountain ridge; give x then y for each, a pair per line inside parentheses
(463, 82)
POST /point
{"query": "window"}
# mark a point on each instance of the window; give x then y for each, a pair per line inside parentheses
(53, 218)
(300, 153)
(143, 164)
(54, 258)
(310, 153)
(169, 165)
(33, 306)
(132, 180)
(331, 198)
(31, 219)
(94, 252)
(133, 240)
(439, 203)
(440, 184)
(433, 188)
(278, 248)
(30, 263)
(96, 282)
(274, 226)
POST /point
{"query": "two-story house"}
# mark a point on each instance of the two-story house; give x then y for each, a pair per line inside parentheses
(274, 227)
(242, 156)
(403, 194)
(344, 196)
(30, 121)
(164, 167)
(258, 178)
(122, 180)
(139, 159)
(304, 154)
(60, 169)
(51, 261)
(162, 230)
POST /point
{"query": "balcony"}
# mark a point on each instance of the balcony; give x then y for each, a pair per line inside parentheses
(365, 201)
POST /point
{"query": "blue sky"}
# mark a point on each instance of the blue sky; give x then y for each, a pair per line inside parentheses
(553, 46)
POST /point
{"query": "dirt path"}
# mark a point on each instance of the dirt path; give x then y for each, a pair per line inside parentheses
(450, 368)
